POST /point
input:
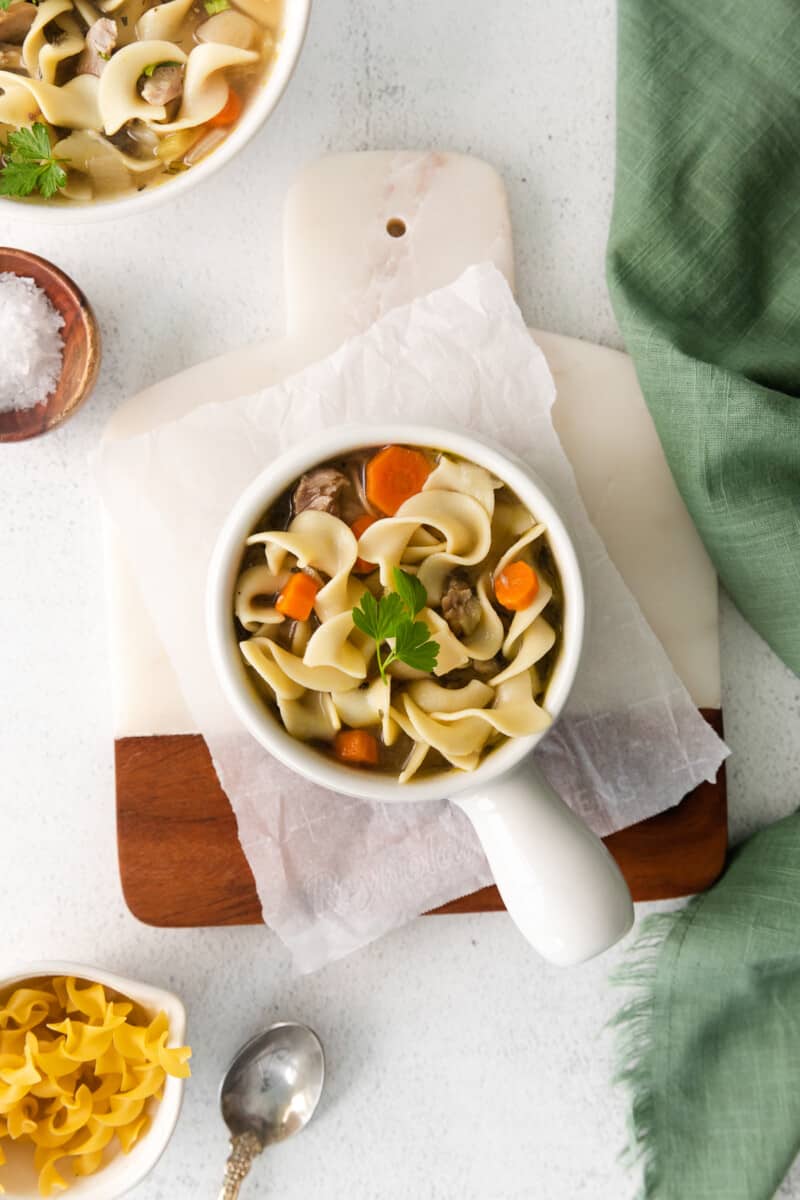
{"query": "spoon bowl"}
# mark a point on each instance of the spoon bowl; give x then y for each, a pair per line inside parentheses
(274, 1083)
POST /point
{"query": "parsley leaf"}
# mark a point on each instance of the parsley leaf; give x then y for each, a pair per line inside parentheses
(414, 647)
(379, 619)
(390, 614)
(29, 164)
(215, 6)
(4, 4)
(411, 591)
(393, 617)
(19, 179)
(365, 616)
(52, 177)
(33, 142)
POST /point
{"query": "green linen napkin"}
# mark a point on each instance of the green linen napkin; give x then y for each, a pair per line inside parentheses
(704, 272)
(710, 1042)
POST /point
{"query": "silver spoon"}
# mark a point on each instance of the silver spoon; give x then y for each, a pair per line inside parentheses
(269, 1092)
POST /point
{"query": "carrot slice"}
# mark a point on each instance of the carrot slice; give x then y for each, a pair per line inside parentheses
(516, 586)
(230, 112)
(395, 474)
(362, 567)
(356, 746)
(298, 596)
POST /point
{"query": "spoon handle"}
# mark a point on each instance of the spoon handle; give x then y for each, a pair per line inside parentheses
(245, 1148)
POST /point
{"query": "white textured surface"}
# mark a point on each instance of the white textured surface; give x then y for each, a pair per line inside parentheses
(461, 1068)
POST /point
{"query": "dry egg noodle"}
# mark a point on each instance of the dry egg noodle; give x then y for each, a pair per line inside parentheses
(492, 604)
(80, 1068)
(131, 92)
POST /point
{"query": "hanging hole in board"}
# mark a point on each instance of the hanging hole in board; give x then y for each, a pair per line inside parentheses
(395, 227)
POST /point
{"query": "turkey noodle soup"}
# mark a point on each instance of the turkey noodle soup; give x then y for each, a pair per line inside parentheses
(102, 99)
(400, 610)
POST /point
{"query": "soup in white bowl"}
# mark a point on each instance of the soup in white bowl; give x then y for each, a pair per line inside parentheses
(99, 102)
(399, 608)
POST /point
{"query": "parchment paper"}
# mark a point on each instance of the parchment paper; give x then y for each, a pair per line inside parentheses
(334, 873)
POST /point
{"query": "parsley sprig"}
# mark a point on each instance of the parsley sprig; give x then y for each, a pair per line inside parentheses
(393, 616)
(215, 6)
(29, 164)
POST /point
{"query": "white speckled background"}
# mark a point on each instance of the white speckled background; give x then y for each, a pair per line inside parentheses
(461, 1068)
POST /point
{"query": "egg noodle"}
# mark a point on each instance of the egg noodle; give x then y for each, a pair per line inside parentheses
(78, 1068)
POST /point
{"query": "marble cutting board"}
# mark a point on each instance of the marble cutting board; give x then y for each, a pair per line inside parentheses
(363, 233)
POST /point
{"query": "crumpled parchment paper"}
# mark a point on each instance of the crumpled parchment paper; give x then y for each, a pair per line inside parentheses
(332, 872)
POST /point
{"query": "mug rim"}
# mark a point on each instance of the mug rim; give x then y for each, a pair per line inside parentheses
(225, 562)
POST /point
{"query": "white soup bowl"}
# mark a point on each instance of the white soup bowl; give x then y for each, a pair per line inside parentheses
(264, 99)
(558, 881)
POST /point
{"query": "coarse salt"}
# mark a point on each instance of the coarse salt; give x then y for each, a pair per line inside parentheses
(31, 347)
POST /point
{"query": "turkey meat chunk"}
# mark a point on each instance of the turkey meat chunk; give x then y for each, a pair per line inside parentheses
(320, 490)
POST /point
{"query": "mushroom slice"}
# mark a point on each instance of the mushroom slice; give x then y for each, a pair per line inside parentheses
(15, 22)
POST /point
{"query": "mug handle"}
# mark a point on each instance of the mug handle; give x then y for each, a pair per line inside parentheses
(560, 885)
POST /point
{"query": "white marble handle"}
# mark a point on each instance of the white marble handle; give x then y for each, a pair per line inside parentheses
(560, 885)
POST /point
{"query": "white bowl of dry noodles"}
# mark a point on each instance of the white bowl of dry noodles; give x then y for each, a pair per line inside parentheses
(93, 1073)
(396, 613)
(108, 108)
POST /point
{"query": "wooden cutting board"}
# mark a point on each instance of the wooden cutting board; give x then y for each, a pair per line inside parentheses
(362, 234)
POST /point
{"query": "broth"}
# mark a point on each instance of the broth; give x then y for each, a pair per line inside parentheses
(456, 531)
